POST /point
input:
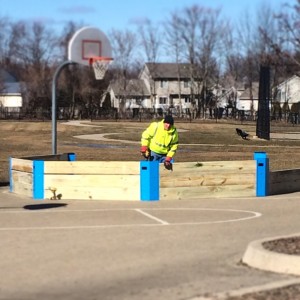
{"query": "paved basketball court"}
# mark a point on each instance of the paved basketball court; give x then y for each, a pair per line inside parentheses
(135, 250)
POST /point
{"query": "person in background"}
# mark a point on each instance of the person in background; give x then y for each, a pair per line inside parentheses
(160, 141)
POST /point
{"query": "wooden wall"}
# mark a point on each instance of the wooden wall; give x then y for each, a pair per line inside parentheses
(194, 180)
(79, 179)
(283, 182)
(116, 180)
(120, 180)
(103, 180)
(21, 176)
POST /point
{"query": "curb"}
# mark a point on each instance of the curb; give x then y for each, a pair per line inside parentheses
(257, 256)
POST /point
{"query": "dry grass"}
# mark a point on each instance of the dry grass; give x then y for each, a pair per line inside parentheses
(202, 141)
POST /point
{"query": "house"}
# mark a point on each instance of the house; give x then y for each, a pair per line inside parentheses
(247, 100)
(130, 94)
(288, 92)
(171, 85)
(10, 93)
(159, 87)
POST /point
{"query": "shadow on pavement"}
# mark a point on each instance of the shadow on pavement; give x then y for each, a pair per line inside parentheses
(44, 206)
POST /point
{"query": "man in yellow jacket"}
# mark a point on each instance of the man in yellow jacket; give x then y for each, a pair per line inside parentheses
(160, 141)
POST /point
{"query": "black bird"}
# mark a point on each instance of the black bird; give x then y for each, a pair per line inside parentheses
(243, 134)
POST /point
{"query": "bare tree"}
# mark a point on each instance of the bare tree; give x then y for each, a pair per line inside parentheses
(175, 49)
(124, 45)
(32, 48)
(200, 31)
(151, 42)
(282, 37)
(4, 40)
(150, 39)
(289, 20)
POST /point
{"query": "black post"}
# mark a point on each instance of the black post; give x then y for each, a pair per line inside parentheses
(54, 105)
(263, 113)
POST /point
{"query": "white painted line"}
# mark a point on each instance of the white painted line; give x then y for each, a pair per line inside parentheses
(78, 227)
(151, 217)
(161, 222)
(62, 209)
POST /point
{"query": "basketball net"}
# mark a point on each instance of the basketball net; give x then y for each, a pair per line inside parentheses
(100, 66)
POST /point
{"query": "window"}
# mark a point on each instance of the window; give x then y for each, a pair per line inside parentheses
(186, 83)
(162, 100)
(187, 100)
(163, 83)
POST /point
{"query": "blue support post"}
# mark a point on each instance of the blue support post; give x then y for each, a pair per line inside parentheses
(149, 180)
(71, 156)
(38, 179)
(262, 174)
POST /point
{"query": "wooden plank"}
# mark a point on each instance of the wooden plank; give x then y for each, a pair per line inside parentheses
(194, 172)
(284, 187)
(284, 175)
(95, 193)
(240, 166)
(100, 181)
(217, 179)
(284, 181)
(97, 187)
(22, 183)
(92, 167)
(21, 177)
(207, 192)
(22, 165)
(49, 157)
(25, 190)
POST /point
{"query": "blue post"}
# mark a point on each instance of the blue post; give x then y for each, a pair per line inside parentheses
(71, 156)
(149, 180)
(262, 174)
(38, 179)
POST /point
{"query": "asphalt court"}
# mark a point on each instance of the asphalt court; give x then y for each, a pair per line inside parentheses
(133, 250)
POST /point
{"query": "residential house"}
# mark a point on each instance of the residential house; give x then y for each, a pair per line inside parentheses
(288, 92)
(171, 85)
(247, 100)
(10, 93)
(129, 94)
(225, 98)
(160, 87)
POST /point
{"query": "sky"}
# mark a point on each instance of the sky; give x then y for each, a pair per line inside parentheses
(118, 14)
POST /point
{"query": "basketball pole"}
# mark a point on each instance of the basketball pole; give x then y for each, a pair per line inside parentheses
(54, 106)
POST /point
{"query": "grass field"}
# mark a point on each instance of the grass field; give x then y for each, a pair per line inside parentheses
(199, 141)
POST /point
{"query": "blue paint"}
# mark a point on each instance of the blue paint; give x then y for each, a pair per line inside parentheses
(38, 179)
(149, 180)
(262, 174)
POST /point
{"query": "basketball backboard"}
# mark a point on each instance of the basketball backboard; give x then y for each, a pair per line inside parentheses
(86, 43)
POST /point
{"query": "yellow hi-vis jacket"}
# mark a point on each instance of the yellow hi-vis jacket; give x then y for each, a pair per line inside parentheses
(159, 140)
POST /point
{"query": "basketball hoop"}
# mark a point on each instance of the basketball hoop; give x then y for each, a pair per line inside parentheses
(100, 65)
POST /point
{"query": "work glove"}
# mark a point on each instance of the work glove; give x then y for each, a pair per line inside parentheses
(167, 163)
(145, 152)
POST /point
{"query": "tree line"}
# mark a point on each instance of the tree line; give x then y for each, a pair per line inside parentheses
(219, 51)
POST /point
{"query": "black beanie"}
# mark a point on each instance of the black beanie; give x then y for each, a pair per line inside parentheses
(169, 119)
